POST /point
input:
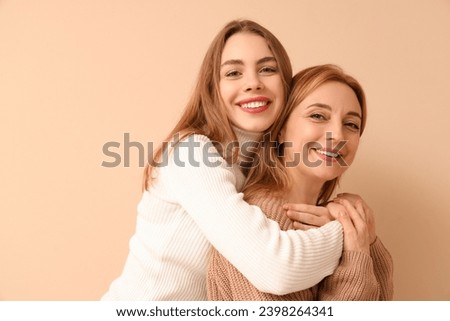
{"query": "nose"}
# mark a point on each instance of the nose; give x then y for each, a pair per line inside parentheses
(335, 132)
(253, 82)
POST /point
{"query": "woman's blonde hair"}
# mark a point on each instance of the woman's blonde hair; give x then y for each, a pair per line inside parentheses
(269, 173)
(205, 112)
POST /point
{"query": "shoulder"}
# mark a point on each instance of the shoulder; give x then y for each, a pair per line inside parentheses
(194, 142)
(265, 198)
(185, 137)
(189, 146)
(193, 156)
(271, 204)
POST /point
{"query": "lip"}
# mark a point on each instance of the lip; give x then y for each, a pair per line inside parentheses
(253, 99)
(253, 110)
(326, 157)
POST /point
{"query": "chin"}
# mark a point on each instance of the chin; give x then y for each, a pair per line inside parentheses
(255, 128)
(328, 176)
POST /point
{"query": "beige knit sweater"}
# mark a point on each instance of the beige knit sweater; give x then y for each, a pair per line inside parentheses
(358, 276)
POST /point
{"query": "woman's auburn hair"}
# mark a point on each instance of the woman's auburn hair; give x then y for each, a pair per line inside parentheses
(205, 112)
(269, 173)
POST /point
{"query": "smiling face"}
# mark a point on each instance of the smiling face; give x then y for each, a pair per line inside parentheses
(325, 130)
(250, 82)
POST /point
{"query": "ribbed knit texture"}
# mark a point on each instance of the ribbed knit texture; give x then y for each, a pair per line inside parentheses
(358, 276)
(193, 203)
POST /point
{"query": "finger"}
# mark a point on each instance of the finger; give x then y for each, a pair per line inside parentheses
(355, 216)
(369, 215)
(348, 195)
(306, 208)
(301, 226)
(361, 210)
(352, 198)
(370, 222)
(306, 218)
(337, 199)
(335, 209)
(344, 195)
(367, 208)
(347, 223)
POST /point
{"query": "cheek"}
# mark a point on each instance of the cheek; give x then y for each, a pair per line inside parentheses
(301, 132)
(275, 84)
(352, 148)
(225, 91)
(280, 91)
(311, 132)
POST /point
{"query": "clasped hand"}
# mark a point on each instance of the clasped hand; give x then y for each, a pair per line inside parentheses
(350, 210)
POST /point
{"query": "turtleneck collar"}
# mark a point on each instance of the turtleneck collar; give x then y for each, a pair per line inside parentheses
(246, 136)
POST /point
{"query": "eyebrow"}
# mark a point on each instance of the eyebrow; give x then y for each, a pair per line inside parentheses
(240, 62)
(350, 113)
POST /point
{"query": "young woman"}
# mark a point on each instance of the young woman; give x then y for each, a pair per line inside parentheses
(323, 121)
(191, 199)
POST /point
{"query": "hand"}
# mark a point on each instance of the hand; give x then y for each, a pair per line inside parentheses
(356, 230)
(335, 209)
(307, 216)
(354, 199)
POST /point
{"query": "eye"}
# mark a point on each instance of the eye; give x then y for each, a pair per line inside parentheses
(352, 126)
(233, 74)
(317, 116)
(268, 70)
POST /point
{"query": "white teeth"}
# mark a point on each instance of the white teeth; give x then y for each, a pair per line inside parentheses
(326, 153)
(254, 104)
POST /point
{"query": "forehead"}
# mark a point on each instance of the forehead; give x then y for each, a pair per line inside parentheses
(245, 45)
(337, 95)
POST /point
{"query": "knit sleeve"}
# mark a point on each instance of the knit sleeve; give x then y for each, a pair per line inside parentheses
(274, 261)
(353, 280)
(383, 269)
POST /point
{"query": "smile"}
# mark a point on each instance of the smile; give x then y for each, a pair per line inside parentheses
(329, 155)
(254, 104)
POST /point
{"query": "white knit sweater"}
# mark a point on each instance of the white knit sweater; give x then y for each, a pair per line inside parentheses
(190, 207)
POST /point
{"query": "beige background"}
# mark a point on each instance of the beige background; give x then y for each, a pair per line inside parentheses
(75, 75)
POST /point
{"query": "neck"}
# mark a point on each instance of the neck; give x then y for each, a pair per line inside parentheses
(303, 189)
(248, 141)
(246, 136)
